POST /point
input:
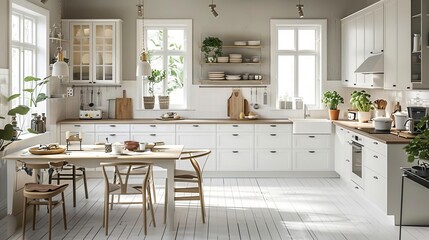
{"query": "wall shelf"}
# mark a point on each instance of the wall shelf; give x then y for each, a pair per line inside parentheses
(214, 64)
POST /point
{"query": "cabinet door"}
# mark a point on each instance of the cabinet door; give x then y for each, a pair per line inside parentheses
(404, 43)
(369, 43)
(351, 52)
(273, 140)
(311, 141)
(311, 160)
(273, 160)
(378, 17)
(344, 53)
(108, 128)
(340, 156)
(167, 138)
(197, 140)
(113, 137)
(235, 160)
(104, 53)
(391, 46)
(81, 52)
(235, 140)
(376, 188)
(153, 128)
(360, 49)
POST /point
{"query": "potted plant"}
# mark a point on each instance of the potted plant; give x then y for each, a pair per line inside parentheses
(360, 101)
(212, 48)
(418, 148)
(331, 100)
(157, 76)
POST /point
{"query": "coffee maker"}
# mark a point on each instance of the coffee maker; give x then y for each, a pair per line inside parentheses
(415, 114)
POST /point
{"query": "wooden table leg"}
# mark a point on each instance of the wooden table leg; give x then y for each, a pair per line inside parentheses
(171, 204)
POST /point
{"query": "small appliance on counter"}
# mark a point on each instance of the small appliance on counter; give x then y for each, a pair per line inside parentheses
(415, 114)
(352, 115)
(90, 114)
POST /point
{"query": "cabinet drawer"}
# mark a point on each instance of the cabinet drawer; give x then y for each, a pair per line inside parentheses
(78, 127)
(235, 140)
(273, 140)
(113, 137)
(375, 161)
(375, 145)
(197, 140)
(273, 127)
(88, 138)
(376, 188)
(153, 128)
(235, 127)
(235, 160)
(312, 141)
(273, 160)
(121, 128)
(196, 128)
(207, 163)
(167, 138)
(311, 160)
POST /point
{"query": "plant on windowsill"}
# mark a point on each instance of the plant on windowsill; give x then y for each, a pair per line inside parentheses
(331, 100)
(360, 101)
(212, 48)
(11, 131)
(175, 80)
(157, 76)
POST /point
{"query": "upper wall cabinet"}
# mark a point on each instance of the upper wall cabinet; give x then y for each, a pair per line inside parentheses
(362, 35)
(94, 51)
(419, 51)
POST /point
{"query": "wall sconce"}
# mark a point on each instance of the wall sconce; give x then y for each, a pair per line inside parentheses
(300, 11)
(213, 10)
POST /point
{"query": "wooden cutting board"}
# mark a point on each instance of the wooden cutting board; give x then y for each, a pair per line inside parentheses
(124, 107)
(236, 104)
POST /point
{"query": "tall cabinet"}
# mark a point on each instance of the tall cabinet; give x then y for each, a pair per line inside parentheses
(94, 50)
(419, 18)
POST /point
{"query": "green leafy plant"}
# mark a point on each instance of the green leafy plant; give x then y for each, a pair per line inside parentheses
(419, 146)
(332, 99)
(360, 100)
(212, 47)
(156, 77)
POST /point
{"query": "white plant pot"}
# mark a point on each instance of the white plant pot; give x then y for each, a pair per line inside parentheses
(364, 116)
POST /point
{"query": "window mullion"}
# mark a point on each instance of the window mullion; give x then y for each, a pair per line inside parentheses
(165, 42)
(296, 62)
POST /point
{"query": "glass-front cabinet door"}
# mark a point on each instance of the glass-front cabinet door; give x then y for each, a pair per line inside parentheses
(95, 47)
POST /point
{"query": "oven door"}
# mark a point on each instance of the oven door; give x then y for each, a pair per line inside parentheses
(357, 167)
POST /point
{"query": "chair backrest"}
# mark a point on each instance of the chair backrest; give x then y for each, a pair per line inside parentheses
(44, 165)
(121, 177)
(193, 155)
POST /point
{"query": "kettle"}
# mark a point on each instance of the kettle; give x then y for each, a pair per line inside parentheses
(401, 119)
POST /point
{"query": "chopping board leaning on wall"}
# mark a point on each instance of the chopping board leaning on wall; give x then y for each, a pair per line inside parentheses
(237, 104)
(124, 107)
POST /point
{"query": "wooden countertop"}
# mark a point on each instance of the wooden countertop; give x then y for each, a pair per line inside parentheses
(184, 121)
(384, 138)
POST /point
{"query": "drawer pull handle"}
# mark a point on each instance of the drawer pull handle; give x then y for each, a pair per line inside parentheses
(112, 134)
(376, 143)
(375, 177)
(152, 134)
(375, 156)
(112, 125)
(356, 187)
(235, 151)
(347, 160)
(273, 151)
(77, 125)
(234, 125)
(311, 151)
(152, 125)
(273, 125)
(311, 136)
(273, 134)
(235, 134)
(196, 125)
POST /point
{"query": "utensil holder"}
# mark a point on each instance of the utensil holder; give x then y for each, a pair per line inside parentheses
(107, 147)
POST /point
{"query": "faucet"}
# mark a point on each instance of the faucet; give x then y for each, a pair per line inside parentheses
(306, 113)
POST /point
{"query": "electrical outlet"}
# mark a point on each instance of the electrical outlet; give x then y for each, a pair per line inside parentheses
(69, 92)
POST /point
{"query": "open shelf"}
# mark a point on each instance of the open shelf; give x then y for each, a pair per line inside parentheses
(243, 46)
(251, 63)
(231, 83)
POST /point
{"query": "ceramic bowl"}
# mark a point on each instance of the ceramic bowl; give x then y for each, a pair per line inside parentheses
(131, 145)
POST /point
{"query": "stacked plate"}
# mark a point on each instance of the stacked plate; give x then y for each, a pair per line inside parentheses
(253, 43)
(222, 59)
(235, 58)
(240, 43)
(216, 75)
(233, 77)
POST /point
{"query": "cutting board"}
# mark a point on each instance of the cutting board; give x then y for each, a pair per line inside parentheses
(124, 107)
(236, 104)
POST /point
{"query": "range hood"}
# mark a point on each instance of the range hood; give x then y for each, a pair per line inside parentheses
(374, 64)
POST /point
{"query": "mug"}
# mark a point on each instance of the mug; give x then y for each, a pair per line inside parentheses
(251, 77)
(117, 148)
(142, 146)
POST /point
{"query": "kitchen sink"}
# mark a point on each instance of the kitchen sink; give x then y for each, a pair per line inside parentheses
(312, 126)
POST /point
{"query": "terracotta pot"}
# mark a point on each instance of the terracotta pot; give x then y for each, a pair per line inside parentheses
(334, 114)
(149, 102)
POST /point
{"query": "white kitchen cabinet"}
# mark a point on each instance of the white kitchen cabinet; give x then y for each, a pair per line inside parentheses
(375, 161)
(273, 160)
(122, 128)
(87, 131)
(236, 159)
(235, 140)
(235, 127)
(153, 128)
(310, 141)
(273, 139)
(101, 137)
(273, 127)
(153, 133)
(94, 48)
(311, 160)
(339, 149)
(167, 138)
(376, 188)
(348, 44)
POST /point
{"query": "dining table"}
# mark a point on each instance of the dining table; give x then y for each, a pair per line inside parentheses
(90, 156)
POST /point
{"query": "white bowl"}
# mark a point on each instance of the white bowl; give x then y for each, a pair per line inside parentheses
(252, 117)
(240, 43)
(235, 56)
(253, 43)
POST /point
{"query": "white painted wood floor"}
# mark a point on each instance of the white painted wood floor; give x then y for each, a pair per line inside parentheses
(237, 208)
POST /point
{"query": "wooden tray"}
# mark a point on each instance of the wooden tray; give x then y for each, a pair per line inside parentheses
(406, 135)
(37, 151)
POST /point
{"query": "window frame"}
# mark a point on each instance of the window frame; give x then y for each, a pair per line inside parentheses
(185, 24)
(321, 60)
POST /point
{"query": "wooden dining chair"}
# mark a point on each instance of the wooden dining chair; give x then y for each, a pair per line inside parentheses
(189, 176)
(122, 187)
(37, 194)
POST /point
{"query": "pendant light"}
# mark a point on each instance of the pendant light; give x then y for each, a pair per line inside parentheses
(143, 66)
(300, 7)
(60, 68)
(213, 10)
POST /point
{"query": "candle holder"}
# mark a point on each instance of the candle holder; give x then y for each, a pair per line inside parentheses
(71, 139)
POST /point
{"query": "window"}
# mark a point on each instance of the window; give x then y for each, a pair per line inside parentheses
(28, 51)
(298, 57)
(169, 44)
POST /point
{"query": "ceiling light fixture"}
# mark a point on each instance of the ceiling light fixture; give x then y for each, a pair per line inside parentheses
(212, 7)
(300, 7)
(143, 67)
(60, 68)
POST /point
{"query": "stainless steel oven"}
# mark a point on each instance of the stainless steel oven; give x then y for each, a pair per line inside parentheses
(357, 167)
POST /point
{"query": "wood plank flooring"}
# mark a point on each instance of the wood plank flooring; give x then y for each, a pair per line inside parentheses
(237, 208)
